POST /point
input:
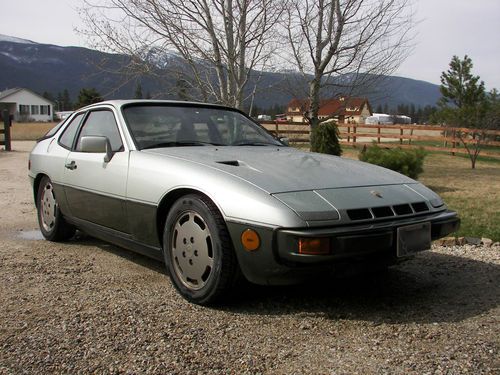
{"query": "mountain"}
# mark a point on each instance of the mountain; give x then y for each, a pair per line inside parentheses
(51, 68)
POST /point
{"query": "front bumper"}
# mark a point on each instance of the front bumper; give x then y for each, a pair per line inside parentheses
(278, 260)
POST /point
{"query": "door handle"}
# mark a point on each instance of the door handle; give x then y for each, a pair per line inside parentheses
(71, 165)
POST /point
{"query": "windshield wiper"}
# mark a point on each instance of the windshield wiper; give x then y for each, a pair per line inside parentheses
(180, 144)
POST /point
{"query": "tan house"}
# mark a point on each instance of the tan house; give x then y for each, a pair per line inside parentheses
(343, 110)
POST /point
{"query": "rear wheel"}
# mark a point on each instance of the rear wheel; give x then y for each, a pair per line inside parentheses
(51, 222)
(198, 250)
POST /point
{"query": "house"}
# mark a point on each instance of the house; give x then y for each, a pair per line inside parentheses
(25, 105)
(350, 110)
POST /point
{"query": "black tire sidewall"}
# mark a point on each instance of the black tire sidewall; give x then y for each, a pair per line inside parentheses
(61, 230)
(197, 204)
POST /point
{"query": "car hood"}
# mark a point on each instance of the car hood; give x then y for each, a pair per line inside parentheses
(283, 169)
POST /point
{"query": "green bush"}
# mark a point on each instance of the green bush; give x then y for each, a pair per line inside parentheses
(325, 139)
(407, 162)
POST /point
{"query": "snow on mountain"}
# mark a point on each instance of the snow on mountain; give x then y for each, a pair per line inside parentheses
(13, 39)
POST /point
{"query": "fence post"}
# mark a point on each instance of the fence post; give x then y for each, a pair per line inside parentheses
(277, 129)
(453, 142)
(6, 129)
(378, 132)
(411, 135)
(354, 130)
(400, 135)
(348, 136)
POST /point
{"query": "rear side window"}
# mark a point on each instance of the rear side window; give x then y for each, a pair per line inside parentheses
(102, 123)
(67, 137)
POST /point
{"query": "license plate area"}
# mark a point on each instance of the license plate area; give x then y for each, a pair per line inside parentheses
(413, 238)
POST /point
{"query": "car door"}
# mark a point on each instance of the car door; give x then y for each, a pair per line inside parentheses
(96, 189)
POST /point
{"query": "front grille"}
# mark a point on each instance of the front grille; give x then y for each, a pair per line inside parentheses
(387, 211)
(402, 209)
(382, 211)
(359, 214)
(420, 207)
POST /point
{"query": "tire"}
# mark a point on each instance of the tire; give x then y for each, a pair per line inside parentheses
(50, 219)
(198, 250)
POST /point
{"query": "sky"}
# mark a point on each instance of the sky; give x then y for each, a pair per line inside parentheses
(444, 28)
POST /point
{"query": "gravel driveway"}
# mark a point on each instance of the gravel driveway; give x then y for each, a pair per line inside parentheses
(85, 306)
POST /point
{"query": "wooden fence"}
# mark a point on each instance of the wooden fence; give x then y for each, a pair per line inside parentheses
(5, 130)
(432, 138)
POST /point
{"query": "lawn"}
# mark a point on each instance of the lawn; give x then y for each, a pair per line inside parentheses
(29, 131)
(473, 193)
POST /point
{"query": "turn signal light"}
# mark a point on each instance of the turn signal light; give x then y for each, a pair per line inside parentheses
(314, 246)
(250, 240)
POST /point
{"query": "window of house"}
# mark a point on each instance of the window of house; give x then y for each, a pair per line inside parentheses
(45, 110)
(35, 110)
(24, 109)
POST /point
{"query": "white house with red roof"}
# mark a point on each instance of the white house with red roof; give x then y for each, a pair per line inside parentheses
(343, 110)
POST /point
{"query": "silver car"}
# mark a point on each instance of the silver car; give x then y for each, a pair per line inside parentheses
(216, 197)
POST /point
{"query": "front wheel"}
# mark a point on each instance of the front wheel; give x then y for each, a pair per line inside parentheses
(51, 221)
(198, 250)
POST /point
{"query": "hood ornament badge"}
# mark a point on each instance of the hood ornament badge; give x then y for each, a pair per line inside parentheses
(376, 194)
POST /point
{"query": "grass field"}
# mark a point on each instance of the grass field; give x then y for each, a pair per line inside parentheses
(473, 193)
(30, 131)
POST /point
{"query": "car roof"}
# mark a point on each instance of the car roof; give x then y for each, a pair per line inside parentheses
(120, 103)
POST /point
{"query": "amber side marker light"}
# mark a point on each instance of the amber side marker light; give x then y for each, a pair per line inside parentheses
(250, 240)
(314, 246)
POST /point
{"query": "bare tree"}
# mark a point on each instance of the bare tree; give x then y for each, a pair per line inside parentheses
(340, 44)
(217, 44)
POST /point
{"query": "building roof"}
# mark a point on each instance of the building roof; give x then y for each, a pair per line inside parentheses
(6, 93)
(9, 92)
(351, 106)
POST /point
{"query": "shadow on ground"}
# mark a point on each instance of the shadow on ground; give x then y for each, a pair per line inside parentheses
(430, 288)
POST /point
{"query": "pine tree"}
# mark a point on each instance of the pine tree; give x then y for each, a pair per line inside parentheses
(463, 96)
(138, 91)
(88, 96)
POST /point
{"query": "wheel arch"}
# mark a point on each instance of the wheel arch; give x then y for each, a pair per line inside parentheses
(167, 202)
(36, 186)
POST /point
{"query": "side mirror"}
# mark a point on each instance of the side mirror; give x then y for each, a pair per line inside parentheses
(97, 144)
(284, 140)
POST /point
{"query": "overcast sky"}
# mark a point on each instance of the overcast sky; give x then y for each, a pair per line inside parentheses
(445, 28)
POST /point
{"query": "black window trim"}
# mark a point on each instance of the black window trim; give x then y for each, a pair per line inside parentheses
(86, 114)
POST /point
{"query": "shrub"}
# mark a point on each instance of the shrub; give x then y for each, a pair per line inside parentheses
(325, 139)
(407, 162)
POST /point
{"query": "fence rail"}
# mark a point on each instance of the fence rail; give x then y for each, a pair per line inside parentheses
(401, 135)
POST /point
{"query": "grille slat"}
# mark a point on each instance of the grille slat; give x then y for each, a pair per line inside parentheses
(420, 207)
(387, 211)
(402, 209)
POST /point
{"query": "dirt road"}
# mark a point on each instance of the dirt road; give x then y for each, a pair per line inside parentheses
(85, 306)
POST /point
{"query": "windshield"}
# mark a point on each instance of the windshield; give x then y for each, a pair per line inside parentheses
(169, 125)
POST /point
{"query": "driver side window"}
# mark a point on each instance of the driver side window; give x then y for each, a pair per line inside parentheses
(101, 123)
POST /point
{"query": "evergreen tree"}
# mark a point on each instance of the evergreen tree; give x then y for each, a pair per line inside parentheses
(181, 86)
(66, 101)
(138, 91)
(464, 103)
(463, 96)
(88, 96)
